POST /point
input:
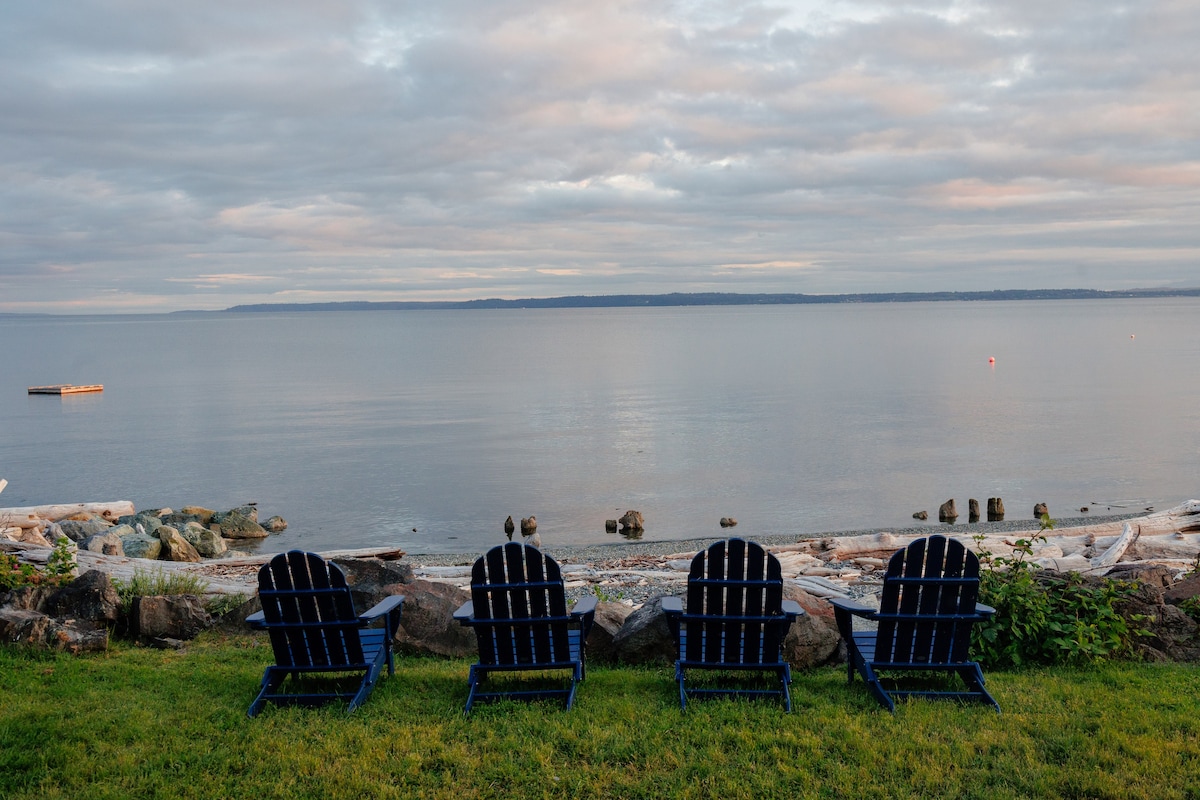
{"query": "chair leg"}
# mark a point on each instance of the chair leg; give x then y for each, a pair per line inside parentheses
(872, 681)
(473, 679)
(271, 681)
(973, 677)
(785, 680)
(575, 678)
(368, 683)
(679, 679)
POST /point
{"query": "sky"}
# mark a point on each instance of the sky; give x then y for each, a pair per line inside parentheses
(159, 156)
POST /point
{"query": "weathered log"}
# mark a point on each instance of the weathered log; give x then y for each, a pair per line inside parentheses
(56, 513)
(1113, 554)
(1079, 564)
(1181, 546)
(844, 548)
(383, 553)
(24, 523)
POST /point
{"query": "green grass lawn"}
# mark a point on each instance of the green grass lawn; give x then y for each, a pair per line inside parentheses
(136, 722)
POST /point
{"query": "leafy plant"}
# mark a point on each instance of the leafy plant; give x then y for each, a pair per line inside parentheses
(61, 563)
(1191, 607)
(60, 566)
(1042, 619)
(222, 604)
(606, 597)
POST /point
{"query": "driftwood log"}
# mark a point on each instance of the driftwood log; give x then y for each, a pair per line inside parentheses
(39, 516)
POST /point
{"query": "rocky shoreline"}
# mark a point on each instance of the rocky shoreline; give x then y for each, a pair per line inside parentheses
(1159, 550)
(636, 570)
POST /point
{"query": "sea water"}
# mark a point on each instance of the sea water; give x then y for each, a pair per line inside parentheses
(425, 429)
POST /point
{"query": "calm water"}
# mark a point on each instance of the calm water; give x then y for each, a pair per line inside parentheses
(360, 427)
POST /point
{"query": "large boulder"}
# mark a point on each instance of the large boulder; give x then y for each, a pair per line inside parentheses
(35, 629)
(275, 524)
(247, 512)
(149, 522)
(236, 525)
(177, 616)
(209, 544)
(107, 543)
(609, 619)
(1182, 590)
(175, 547)
(645, 638)
(139, 545)
(373, 579)
(813, 639)
(427, 622)
(23, 626)
(179, 519)
(1156, 575)
(632, 522)
(91, 597)
(78, 530)
(203, 515)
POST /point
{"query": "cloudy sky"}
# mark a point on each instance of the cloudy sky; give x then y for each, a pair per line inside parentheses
(157, 155)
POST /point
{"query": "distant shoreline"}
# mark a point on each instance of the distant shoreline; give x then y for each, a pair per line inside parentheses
(678, 299)
(671, 300)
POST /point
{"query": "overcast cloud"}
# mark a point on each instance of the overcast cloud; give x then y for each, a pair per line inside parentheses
(157, 155)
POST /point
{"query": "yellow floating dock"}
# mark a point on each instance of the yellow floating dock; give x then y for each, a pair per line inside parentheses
(66, 388)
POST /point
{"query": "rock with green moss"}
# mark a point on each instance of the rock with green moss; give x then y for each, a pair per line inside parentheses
(175, 547)
(139, 545)
(235, 525)
(209, 544)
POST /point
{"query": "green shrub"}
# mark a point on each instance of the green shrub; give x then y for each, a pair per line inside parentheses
(223, 604)
(1048, 620)
(1191, 607)
(59, 568)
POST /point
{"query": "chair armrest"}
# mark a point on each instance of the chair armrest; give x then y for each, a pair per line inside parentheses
(257, 620)
(672, 606)
(465, 613)
(792, 609)
(850, 607)
(585, 607)
(984, 610)
(385, 606)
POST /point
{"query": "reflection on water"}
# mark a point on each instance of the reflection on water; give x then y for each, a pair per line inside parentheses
(361, 427)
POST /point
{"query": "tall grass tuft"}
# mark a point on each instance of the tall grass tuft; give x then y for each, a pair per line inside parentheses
(146, 583)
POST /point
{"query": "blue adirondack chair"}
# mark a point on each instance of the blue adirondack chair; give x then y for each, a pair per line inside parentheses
(736, 619)
(309, 614)
(924, 622)
(518, 610)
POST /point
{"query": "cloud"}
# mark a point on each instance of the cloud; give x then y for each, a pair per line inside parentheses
(179, 156)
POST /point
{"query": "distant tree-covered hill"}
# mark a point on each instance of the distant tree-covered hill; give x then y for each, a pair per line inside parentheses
(719, 299)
